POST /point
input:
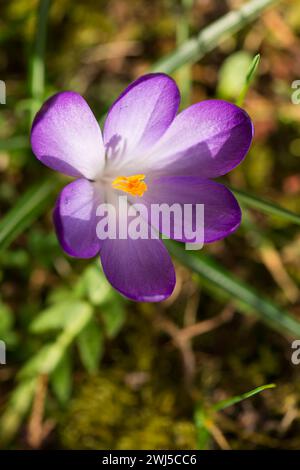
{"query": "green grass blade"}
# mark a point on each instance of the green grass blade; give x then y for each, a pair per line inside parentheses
(252, 69)
(183, 74)
(209, 270)
(249, 78)
(27, 210)
(203, 434)
(204, 417)
(37, 66)
(265, 206)
(195, 48)
(232, 401)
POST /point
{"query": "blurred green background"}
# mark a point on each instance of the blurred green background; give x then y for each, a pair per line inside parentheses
(87, 368)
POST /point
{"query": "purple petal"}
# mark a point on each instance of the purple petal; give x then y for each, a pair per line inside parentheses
(141, 270)
(207, 139)
(140, 116)
(222, 214)
(66, 136)
(75, 218)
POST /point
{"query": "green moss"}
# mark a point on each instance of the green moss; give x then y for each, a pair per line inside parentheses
(108, 414)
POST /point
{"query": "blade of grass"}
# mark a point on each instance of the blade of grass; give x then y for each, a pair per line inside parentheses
(27, 209)
(204, 417)
(37, 66)
(209, 270)
(267, 207)
(203, 434)
(249, 78)
(183, 74)
(195, 48)
(233, 400)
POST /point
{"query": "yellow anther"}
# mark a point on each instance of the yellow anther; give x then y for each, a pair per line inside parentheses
(133, 185)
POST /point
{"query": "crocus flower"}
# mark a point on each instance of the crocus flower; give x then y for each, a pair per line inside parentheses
(153, 155)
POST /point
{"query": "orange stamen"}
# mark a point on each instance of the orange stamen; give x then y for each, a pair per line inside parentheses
(133, 185)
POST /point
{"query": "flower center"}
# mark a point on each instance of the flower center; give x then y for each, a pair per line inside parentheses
(131, 184)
